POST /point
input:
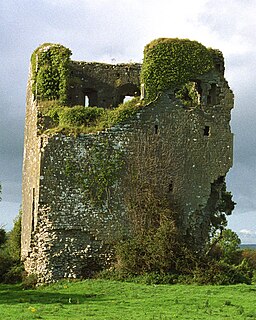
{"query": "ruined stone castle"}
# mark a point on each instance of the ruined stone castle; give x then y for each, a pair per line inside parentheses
(80, 184)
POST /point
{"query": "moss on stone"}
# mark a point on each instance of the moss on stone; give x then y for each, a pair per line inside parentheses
(170, 63)
(50, 64)
(80, 119)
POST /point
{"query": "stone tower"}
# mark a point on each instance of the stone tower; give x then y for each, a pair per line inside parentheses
(80, 182)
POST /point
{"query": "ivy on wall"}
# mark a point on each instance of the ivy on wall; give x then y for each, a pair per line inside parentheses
(80, 119)
(105, 164)
(100, 171)
(170, 63)
(50, 72)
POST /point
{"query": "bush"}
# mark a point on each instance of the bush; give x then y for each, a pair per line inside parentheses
(13, 243)
(114, 274)
(254, 277)
(152, 251)
(14, 274)
(79, 115)
(6, 263)
(157, 278)
(80, 119)
(10, 266)
(123, 112)
(221, 273)
(29, 281)
(250, 256)
(2, 236)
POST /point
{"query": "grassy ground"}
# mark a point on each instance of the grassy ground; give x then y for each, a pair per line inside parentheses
(101, 299)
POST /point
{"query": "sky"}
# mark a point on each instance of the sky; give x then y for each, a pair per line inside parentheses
(116, 31)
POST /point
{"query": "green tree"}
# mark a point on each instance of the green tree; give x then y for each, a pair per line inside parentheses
(14, 239)
(10, 266)
(226, 246)
(2, 236)
(2, 231)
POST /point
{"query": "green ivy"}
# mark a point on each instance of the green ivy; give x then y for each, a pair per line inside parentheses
(99, 173)
(50, 72)
(189, 95)
(123, 112)
(80, 119)
(105, 163)
(79, 115)
(171, 63)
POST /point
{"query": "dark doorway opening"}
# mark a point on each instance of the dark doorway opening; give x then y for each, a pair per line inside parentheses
(90, 98)
(206, 131)
(211, 99)
(126, 92)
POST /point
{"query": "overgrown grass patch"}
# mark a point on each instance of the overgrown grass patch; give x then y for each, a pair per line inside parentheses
(80, 119)
(101, 299)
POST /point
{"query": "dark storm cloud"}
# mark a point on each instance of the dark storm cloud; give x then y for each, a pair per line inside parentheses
(234, 24)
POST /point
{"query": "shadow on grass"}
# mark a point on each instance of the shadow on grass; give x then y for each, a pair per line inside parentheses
(13, 294)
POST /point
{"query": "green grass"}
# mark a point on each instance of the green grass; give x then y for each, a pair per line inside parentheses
(80, 119)
(102, 299)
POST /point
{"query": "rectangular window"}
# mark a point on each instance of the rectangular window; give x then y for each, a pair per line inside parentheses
(206, 131)
(86, 101)
(170, 188)
(33, 209)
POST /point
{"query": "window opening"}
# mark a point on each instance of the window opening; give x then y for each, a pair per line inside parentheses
(211, 99)
(90, 97)
(206, 131)
(142, 89)
(156, 128)
(218, 67)
(41, 143)
(33, 209)
(86, 101)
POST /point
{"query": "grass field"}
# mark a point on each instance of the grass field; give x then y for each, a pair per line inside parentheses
(102, 299)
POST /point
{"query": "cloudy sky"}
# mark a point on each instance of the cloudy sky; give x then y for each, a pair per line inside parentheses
(118, 30)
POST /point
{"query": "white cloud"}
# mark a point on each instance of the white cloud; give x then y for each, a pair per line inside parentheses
(246, 232)
(247, 236)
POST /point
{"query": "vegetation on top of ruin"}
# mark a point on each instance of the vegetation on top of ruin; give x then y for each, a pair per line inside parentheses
(171, 63)
(80, 119)
(50, 72)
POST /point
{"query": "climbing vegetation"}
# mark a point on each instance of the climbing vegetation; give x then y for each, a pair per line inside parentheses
(50, 72)
(80, 119)
(171, 63)
(159, 250)
(188, 94)
(99, 173)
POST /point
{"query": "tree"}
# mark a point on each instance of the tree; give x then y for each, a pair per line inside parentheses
(229, 244)
(2, 236)
(14, 239)
(225, 246)
(2, 231)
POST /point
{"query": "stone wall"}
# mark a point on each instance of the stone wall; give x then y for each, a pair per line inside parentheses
(77, 191)
(31, 169)
(105, 85)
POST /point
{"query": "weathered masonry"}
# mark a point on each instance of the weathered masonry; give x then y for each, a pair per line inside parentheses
(78, 189)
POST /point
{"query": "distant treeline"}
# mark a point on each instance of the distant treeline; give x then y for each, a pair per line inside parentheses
(248, 246)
